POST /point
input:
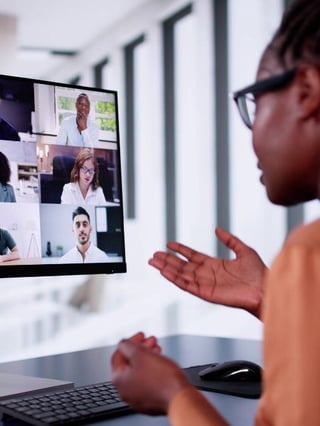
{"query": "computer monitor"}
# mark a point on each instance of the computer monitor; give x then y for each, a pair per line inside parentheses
(61, 207)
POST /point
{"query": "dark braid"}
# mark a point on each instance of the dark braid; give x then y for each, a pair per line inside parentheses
(298, 37)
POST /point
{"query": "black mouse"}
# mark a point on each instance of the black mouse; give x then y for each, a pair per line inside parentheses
(232, 371)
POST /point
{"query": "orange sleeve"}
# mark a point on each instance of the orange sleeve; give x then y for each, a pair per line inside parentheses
(292, 335)
(190, 408)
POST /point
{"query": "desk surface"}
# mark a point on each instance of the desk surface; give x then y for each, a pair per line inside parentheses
(93, 365)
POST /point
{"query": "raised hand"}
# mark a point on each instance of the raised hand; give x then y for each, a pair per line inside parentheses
(233, 282)
(82, 121)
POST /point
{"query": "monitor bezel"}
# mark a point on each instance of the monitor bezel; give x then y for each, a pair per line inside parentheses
(52, 269)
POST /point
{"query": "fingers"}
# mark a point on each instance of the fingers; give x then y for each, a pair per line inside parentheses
(127, 348)
(138, 337)
(169, 264)
(152, 343)
(176, 269)
(130, 353)
(122, 357)
(171, 267)
(187, 252)
(163, 260)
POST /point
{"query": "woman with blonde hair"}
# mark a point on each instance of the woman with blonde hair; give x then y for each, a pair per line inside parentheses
(84, 182)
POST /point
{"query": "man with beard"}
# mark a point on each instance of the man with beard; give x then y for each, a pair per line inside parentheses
(84, 251)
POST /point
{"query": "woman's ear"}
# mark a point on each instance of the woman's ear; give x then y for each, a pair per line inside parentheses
(308, 87)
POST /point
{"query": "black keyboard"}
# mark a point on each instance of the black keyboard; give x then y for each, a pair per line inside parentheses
(79, 405)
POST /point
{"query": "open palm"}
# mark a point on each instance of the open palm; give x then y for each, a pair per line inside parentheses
(234, 282)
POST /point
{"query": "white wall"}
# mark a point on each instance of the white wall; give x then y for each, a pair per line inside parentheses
(252, 24)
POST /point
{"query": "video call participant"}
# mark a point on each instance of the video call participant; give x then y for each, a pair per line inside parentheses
(8, 247)
(84, 182)
(79, 129)
(84, 251)
(286, 140)
(7, 132)
(7, 194)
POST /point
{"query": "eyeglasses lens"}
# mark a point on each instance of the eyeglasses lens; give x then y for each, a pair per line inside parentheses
(89, 171)
(247, 109)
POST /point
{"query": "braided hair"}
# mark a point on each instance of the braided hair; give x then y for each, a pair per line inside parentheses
(298, 36)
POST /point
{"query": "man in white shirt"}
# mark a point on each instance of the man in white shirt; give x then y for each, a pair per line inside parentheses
(79, 129)
(84, 251)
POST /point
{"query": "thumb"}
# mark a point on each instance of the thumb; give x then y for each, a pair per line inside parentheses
(128, 348)
(122, 357)
(231, 241)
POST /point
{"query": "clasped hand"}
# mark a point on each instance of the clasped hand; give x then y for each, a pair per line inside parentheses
(144, 378)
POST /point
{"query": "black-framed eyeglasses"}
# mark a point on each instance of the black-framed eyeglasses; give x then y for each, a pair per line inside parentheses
(245, 98)
(86, 170)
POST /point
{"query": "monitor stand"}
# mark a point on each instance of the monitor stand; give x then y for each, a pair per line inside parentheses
(13, 385)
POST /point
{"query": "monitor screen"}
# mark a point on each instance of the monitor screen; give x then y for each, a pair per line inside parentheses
(61, 209)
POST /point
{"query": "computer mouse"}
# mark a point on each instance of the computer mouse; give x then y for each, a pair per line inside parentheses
(232, 371)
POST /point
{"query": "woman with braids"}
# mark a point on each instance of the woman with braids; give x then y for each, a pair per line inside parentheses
(84, 186)
(286, 141)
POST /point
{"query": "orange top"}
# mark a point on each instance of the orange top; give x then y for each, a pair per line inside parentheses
(292, 333)
(291, 316)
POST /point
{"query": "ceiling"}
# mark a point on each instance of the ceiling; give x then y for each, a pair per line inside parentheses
(60, 25)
